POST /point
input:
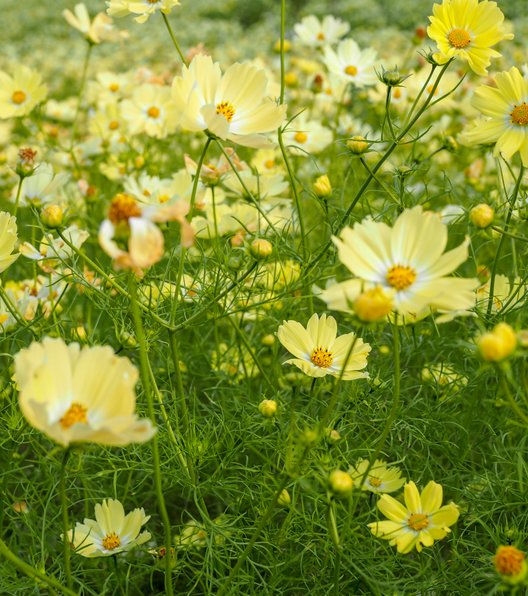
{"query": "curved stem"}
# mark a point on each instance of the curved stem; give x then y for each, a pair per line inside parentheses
(174, 40)
(65, 520)
(19, 189)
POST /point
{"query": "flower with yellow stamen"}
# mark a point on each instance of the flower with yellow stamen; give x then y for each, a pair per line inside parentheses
(319, 352)
(20, 93)
(381, 478)
(111, 532)
(76, 394)
(419, 522)
(143, 8)
(351, 64)
(8, 239)
(467, 29)
(314, 33)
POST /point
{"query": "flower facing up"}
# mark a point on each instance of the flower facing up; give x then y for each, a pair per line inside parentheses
(111, 531)
(143, 8)
(8, 239)
(351, 64)
(96, 31)
(510, 563)
(150, 110)
(233, 106)
(419, 522)
(319, 352)
(467, 29)
(505, 108)
(76, 394)
(314, 33)
(20, 93)
(381, 478)
(407, 260)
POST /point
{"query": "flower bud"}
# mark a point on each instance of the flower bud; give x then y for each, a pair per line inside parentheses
(373, 305)
(26, 162)
(287, 46)
(357, 145)
(341, 483)
(51, 216)
(290, 79)
(322, 186)
(268, 340)
(510, 563)
(268, 408)
(284, 499)
(497, 344)
(261, 248)
(482, 215)
(332, 435)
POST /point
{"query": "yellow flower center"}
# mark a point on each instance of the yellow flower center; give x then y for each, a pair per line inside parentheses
(269, 164)
(153, 112)
(300, 137)
(430, 88)
(459, 38)
(3, 319)
(75, 413)
(163, 198)
(418, 521)
(225, 109)
(18, 97)
(114, 124)
(351, 71)
(321, 358)
(509, 560)
(111, 541)
(123, 207)
(519, 114)
(321, 36)
(374, 481)
(114, 87)
(400, 277)
(396, 93)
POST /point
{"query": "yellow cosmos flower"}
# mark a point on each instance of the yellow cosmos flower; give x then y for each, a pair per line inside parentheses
(505, 108)
(8, 239)
(407, 260)
(233, 106)
(420, 522)
(111, 531)
(20, 93)
(143, 8)
(467, 29)
(75, 394)
(319, 352)
(381, 477)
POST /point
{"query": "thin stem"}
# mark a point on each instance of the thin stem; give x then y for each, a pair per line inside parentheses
(174, 40)
(81, 91)
(282, 34)
(145, 376)
(66, 548)
(513, 200)
(19, 189)
(514, 405)
(387, 112)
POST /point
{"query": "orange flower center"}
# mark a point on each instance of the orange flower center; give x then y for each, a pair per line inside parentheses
(114, 87)
(18, 97)
(114, 124)
(269, 164)
(351, 70)
(321, 36)
(153, 112)
(519, 114)
(374, 481)
(301, 137)
(225, 109)
(396, 93)
(400, 277)
(321, 358)
(459, 38)
(75, 413)
(111, 541)
(508, 560)
(123, 207)
(418, 521)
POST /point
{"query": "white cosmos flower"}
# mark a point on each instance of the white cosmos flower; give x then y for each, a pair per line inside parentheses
(312, 32)
(352, 64)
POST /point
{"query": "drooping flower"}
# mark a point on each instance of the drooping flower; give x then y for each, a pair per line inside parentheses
(76, 394)
(467, 29)
(419, 522)
(408, 260)
(319, 352)
(20, 93)
(8, 239)
(143, 8)
(505, 110)
(96, 31)
(381, 478)
(351, 64)
(233, 106)
(312, 32)
(111, 531)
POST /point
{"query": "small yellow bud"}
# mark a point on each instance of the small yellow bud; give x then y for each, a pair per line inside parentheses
(341, 483)
(497, 344)
(268, 408)
(290, 79)
(384, 349)
(482, 215)
(510, 563)
(332, 435)
(373, 305)
(322, 186)
(268, 340)
(357, 145)
(286, 46)
(284, 499)
(79, 333)
(139, 161)
(261, 248)
(52, 216)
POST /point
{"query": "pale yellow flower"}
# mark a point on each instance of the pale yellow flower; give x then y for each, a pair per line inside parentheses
(150, 110)
(8, 239)
(319, 352)
(76, 394)
(20, 93)
(381, 478)
(111, 532)
(96, 31)
(143, 8)
(351, 64)
(312, 32)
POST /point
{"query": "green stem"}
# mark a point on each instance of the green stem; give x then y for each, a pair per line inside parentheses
(515, 406)
(513, 200)
(31, 571)
(19, 189)
(387, 112)
(282, 35)
(174, 41)
(65, 520)
(145, 376)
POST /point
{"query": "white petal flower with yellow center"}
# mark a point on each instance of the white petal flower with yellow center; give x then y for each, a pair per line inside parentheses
(351, 64)
(319, 352)
(381, 478)
(96, 31)
(143, 8)
(111, 531)
(312, 32)
(407, 260)
(233, 106)
(79, 395)
(305, 136)
(150, 110)
(20, 93)
(8, 239)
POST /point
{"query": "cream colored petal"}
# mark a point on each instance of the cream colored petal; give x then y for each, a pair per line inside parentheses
(449, 261)
(146, 244)
(294, 337)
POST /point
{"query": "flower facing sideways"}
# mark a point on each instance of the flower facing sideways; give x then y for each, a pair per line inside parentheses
(111, 531)
(419, 522)
(142, 8)
(232, 106)
(76, 394)
(8, 239)
(96, 31)
(319, 352)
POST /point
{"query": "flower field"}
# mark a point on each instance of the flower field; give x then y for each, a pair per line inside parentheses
(263, 297)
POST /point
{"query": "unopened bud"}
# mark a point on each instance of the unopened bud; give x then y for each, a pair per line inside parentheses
(322, 186)
(482, 215)
(261, 248)
(357, 145)
(268, 408)
(497, 344)
(284, 499)
(51, 216)
(268, 340)
(341, 483)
